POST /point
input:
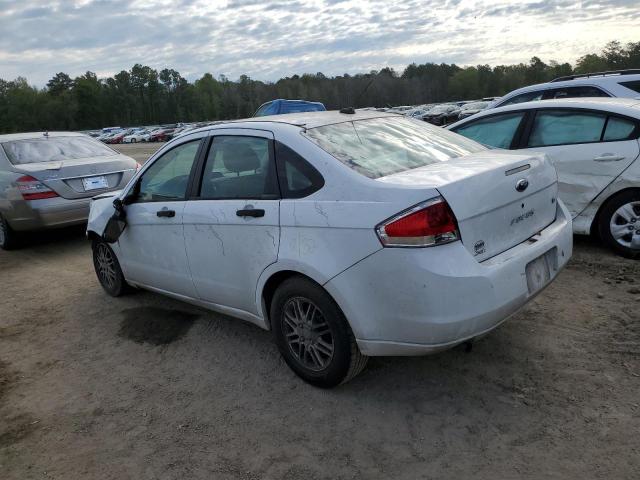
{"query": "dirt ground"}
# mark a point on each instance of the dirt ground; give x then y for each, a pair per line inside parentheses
(140, 152)
(144, 387)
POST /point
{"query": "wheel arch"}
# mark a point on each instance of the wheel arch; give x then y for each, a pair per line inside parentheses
(594, 230)
(272, 278)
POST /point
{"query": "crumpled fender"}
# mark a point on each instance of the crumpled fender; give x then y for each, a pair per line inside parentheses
(100, 211)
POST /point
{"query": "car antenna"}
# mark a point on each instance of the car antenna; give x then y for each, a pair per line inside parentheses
(351, 110)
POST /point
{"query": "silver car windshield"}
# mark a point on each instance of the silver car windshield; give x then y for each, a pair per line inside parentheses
(379, 147)
(52, 149)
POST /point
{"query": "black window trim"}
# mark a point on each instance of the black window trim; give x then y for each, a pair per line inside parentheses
(134, 191)
(634, 135)
(198, 174)
(551, 87)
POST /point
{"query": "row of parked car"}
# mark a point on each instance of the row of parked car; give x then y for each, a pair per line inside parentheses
(158, 133)
(441, 113)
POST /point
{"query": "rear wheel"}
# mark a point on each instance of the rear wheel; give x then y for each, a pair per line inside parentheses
(619, 224)
(7, 235)
(133, 140)
(312, 334)
(108, 269)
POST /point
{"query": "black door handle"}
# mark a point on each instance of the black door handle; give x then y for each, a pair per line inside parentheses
(251, 212)
(166, 213)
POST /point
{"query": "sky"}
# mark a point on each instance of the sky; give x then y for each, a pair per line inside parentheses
(268, 40)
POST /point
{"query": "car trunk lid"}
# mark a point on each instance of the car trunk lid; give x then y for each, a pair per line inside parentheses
(81, 178)
(500, 199)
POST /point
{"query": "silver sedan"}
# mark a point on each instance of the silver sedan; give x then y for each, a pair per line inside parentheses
(47, 180)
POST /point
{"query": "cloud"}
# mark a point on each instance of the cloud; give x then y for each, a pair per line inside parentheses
(268, 40)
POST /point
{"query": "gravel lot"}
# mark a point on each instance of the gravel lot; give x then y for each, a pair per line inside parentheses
(143, 386)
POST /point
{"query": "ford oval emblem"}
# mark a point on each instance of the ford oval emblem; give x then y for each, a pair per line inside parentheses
(522, 184)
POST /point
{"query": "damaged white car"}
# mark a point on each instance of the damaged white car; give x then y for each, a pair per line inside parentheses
(348, 235)
(593, 144)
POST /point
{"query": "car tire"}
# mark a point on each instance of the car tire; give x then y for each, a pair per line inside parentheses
(133, 140)
(8, 238)
(619, 224)
(108, 269)
(313, 335)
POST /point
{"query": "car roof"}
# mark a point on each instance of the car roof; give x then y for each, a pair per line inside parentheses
(623, 106)
(584, 80)
(301, 119)
(31, 135)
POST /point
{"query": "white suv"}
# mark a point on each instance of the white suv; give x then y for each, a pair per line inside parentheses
(621, 83)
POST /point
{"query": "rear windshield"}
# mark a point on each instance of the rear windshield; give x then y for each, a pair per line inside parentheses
(379, 147)
(295, 107)
(54, 149)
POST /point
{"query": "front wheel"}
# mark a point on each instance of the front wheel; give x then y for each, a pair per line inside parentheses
(619, 224)
(108, 269)
(313, 335)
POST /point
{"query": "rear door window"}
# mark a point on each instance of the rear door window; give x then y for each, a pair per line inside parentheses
(495, 131)
(565, 127)
(239, 167)
(54, 149)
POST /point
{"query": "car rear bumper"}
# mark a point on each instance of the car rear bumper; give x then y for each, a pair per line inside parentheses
(49, 213)
(412, 301)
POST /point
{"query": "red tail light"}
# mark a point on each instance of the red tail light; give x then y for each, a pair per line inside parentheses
(425, 225)
(33, 189)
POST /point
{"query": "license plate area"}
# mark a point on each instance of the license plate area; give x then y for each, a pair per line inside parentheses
(540, 271)
(95, 183)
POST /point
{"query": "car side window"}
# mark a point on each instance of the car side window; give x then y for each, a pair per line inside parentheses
(574, 92)
(168, 177)
(522, 98)
(618, 129)
(495, 131)
(297, 177)
(632, 85)
(565, 127)
(239, 167)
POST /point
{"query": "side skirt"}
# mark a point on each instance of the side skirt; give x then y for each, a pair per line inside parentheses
(232, 312)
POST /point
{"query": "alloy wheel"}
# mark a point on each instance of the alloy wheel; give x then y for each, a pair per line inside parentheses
(105, 266)
(625, 225)
(307, 333)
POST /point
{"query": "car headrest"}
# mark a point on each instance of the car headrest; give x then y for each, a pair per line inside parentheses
(239, 158)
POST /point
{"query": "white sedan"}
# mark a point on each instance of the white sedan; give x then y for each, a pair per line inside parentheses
(593, 144)
(135, 137)
(347, 235)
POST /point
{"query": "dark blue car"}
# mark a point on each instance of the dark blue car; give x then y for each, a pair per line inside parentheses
(277, 107)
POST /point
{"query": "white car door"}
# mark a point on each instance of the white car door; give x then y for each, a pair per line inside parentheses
(232, 221)
(152, 249)
(588, 148)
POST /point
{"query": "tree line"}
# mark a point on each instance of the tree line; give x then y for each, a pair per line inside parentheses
(144, 96)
